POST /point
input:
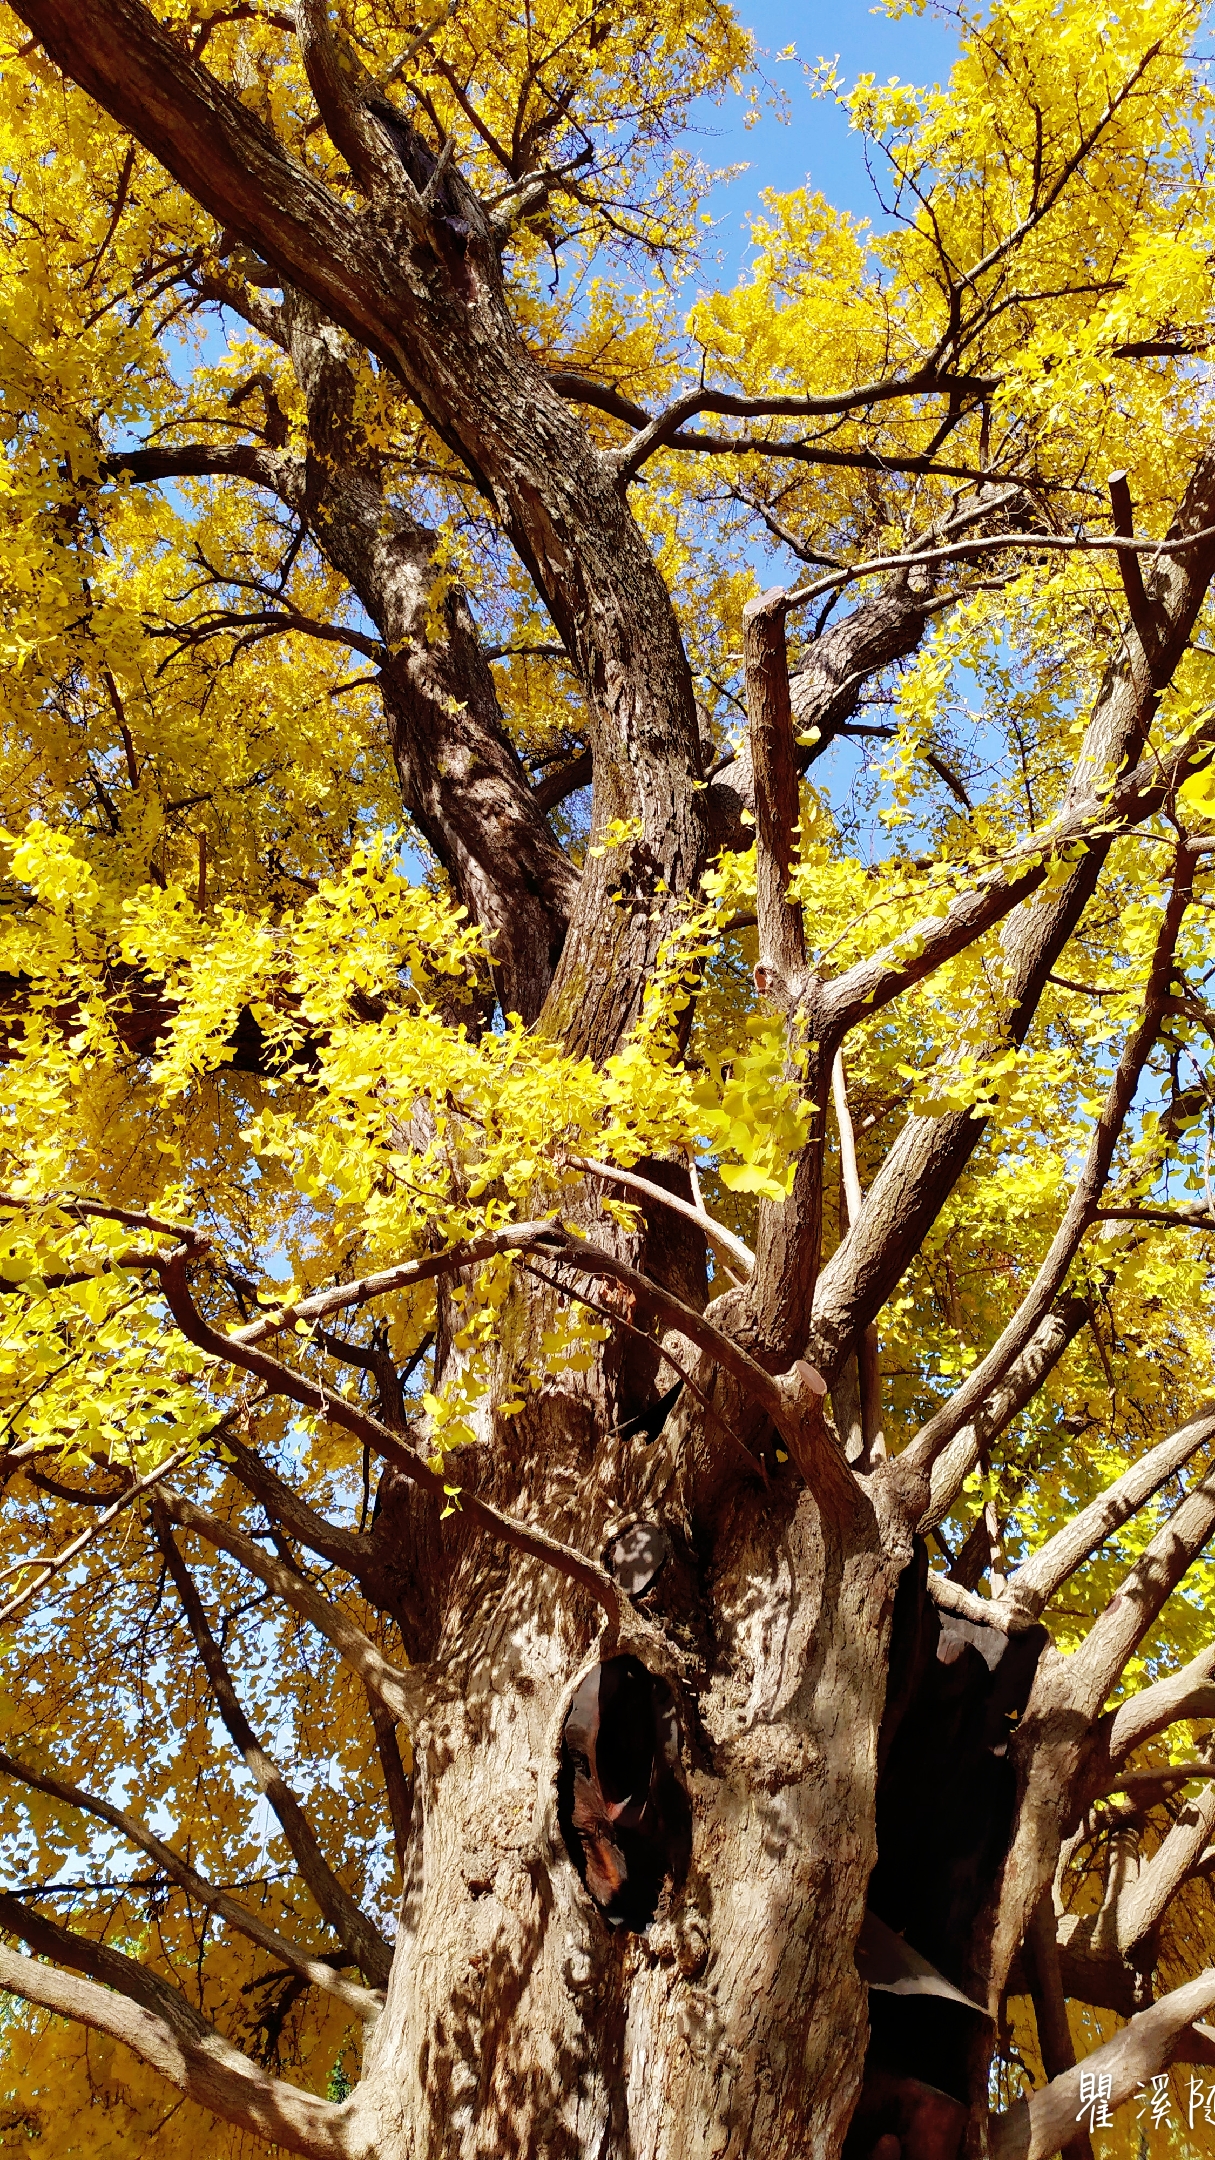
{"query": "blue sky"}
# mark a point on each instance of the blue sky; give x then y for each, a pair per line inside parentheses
(815, 143)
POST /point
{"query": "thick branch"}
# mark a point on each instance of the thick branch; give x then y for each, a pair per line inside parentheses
(342, 88)
(346, 1549)
(1034, 1584)
(1142, 615)
(398, 1785)
(1093, 1669)
(1187, 1693)
(199, 2062)
(430, 302)
(1039, 2126)
(1050, 2009)
(782, 947)
(887, 626)
(1143, 1902)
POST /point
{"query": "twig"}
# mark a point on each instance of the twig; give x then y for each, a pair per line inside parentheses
(716, 1232)
(921, 558)
(54, 1562)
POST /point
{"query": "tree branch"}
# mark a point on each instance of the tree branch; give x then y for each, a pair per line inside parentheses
(1143, 1901)
(88, 1536)
(1147, 629)
(318, 1972)
(1039, 2126)
(281, 1380)
(736, 1253)
(1033, 1584)
(666, 426)
(193, 2057)
(407, 1694)
(1093, 1669)
(342, 88)
(929, 1154)
(398, 1784)
(1054, 1332)
(346, 1549)
(1078, 1216)
(360, 1940)
(1050, 2009)
(782, 946)
(1187, 1693)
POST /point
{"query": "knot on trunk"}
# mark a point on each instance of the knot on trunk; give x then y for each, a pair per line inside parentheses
(622, 1804)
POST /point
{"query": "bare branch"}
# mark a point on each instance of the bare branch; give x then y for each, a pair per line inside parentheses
(272, 469)
(873, 1445)
(1050, 543)
(360, 1940)
(953, 1597)
(1034, 1584)
(342, 1297)
(316, 1971)
(1037, 2127)
(667, 426)
(736, 1253)
(1191, 1218)
(200, 2063)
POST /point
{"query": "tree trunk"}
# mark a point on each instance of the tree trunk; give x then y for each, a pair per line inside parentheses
(518, 2018)
(521, 2016)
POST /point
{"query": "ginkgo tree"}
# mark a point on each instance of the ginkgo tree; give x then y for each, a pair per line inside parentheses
(607, 1126)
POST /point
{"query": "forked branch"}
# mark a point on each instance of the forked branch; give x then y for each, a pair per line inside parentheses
(408, 1694)
(1033, 1585)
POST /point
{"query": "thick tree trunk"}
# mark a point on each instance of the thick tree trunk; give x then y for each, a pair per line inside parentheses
(521, 2019)
(518, 2020)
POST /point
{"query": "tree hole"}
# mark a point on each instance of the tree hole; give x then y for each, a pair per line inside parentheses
(621, 1800)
